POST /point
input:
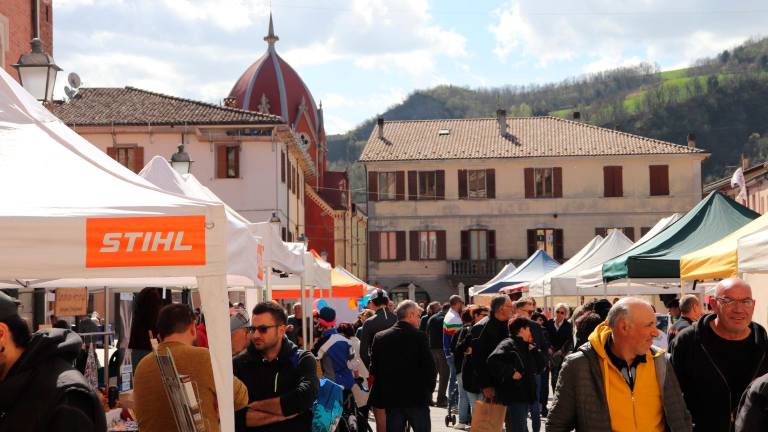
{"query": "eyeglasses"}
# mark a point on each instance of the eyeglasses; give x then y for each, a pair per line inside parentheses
(261, 329)
(560, 312)
(727, 301)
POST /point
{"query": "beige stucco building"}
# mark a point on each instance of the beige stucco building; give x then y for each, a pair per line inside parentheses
(756, 181)
(452, 201)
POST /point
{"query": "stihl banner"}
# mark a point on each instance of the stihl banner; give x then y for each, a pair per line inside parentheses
(145, 241)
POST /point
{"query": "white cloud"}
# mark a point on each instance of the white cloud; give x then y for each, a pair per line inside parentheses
(613, 33)
(228, 15)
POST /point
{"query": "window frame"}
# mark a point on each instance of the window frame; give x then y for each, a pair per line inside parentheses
(134, 148)
(431, 243)
(384, 194)
(387, 240)
(427, 176)
(478, 245)
(484, 173)
(539, 172)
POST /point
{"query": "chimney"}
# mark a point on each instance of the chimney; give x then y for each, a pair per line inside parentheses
(229, 102)
(501, 118)
(576, 116)
(744, 162)
(692, 140)
(380, 122)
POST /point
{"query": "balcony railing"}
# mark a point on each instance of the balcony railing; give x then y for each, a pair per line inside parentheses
(477, 267)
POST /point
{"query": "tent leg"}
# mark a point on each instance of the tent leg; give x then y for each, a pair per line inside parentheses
(269, 284)
(629, 282)
(311, 329)
(303, 313)
(214, 301)
(106, 338)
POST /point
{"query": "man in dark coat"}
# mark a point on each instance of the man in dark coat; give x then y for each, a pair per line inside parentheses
(690, 310)
(39, 388)
(753, 409)
(486, 335)
(717, 357)
(403, 371)
(435, 337)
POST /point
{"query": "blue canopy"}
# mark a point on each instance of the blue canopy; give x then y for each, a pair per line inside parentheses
(536, 266)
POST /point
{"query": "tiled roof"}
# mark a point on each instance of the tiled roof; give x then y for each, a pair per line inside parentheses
(131, 106)
(527, 137)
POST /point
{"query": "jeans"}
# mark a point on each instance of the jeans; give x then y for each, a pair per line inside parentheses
(544, 390)
(535, 407)
(473, 397)
(464, 408)
(452, 395)
(555, 374)
(442, 369)
(517, 417)
(417, 417)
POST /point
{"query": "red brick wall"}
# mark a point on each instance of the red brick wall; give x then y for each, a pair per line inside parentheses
(319, 229)
(18, 14)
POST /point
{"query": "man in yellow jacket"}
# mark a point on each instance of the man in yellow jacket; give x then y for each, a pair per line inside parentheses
(176, 328)
(620, 382)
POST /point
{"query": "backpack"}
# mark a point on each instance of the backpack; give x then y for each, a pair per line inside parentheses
(327, 408)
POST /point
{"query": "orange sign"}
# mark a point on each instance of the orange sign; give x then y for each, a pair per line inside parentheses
(145, 241)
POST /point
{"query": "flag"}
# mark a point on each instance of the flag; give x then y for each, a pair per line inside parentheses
(738, 180)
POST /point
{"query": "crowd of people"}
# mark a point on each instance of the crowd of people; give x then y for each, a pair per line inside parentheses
(599, 359)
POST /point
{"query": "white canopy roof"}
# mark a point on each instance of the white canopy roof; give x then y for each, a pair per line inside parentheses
(70, 211)
(541, 286)
(752, 252)
(592, 277)
(565, 283)
(277, 253)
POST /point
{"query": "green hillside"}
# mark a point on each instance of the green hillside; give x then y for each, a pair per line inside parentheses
(723, 100)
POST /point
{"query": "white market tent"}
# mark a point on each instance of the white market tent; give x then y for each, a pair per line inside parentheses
(753, 267)
(588, 281)
(70, 211)
(564, 284)
(502, 275)
(541, 287)
(277, 253)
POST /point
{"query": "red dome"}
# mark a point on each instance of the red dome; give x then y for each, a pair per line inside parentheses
(270, 85)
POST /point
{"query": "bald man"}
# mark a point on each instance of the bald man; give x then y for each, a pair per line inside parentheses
(619, 381)
(717, 357)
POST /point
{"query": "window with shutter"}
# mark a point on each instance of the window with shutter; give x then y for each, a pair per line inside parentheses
(390, 247)
(465, 245)
(490, 183)
(440, 184)
(602, 232)
(477, 186)
(387, 184)
(413, 180)
(659, 179)
(628, 231)
(227, 161)
(543, 239)
(529, 182)
(462, 174)
(441, 245)
(413, 245)
(478, 244)
(612, 181)
(427, 185)
(543, 183)
(400, 185)
(282, 166)
(128, 156)
(373, 186)
(644, 231)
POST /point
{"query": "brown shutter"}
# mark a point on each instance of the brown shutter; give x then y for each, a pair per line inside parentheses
(400, 240)
(601, 231)
(558, 245)
(644, 230)
(465, 245)
(531, 241)
(374, 239)
(282, 166)
(462, 184)
(607, 181)
(629, 232)
(557, 174)
(400, 185)
(659, 179)
(440, 184)
(221, 161)
(237, 162)
(490, 183)
(413, 184)
(491, 253)
(619, 181)
(529, 191)
(138, 160)
(290, 176)
(414, 245)
(373, 186)
(441, 246)
(112, 152)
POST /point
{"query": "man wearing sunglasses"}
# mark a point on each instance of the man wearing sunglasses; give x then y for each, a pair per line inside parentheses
(719, 355)
(281, 379)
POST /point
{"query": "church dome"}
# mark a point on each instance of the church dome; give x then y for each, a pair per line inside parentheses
(271, 86)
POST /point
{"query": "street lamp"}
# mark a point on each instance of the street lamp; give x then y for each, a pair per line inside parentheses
(275, 219)
(180, 161)
(37, 72)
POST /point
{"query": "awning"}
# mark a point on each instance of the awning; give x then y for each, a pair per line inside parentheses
(536, 266)
(541, 287)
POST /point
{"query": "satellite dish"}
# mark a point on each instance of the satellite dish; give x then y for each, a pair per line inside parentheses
(71, 93)
(74, 80)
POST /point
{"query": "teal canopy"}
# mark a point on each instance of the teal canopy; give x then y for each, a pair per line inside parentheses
(710, 220)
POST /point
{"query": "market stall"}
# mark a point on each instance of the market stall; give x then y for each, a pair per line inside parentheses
(541, 286)
(536, 266)
(104, 222)
(500, 276)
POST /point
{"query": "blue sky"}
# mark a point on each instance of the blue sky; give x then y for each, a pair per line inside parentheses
(361, 56)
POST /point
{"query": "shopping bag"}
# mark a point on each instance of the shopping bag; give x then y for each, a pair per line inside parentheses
(488, 417)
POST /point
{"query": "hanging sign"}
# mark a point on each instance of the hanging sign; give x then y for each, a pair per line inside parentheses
(145, 241)
(71, 302)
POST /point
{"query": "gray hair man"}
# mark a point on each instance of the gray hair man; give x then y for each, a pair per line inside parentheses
(619, 381)
(690, 312)
(719, 355)
(400, 354)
